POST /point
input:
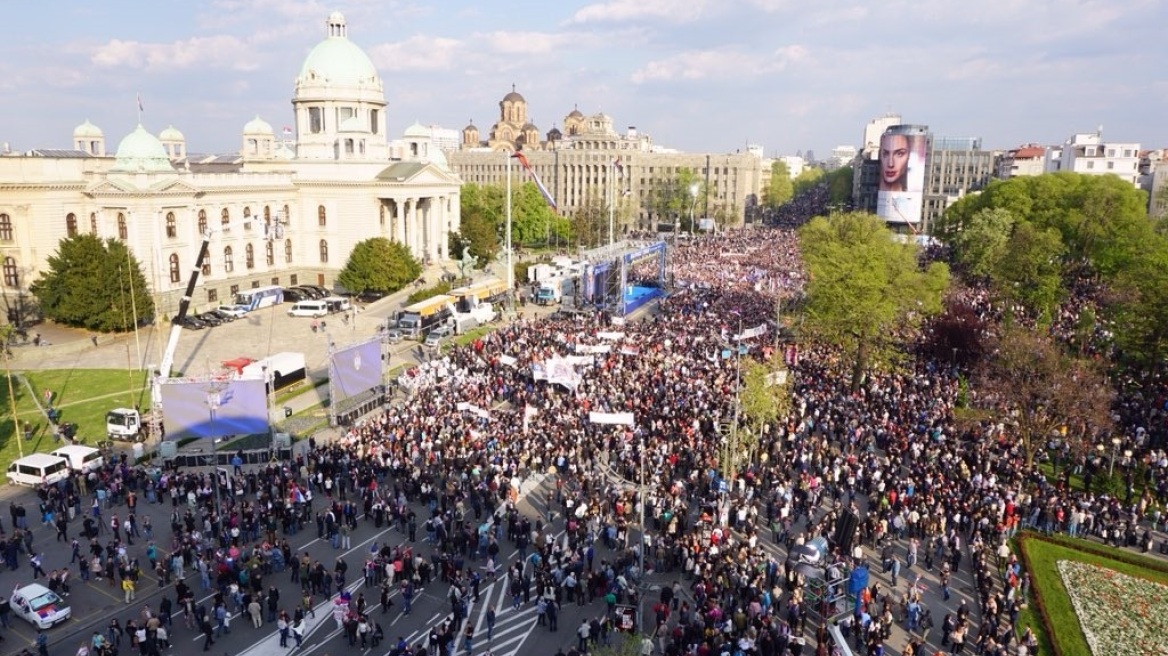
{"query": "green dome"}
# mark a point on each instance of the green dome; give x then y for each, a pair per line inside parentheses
(337, 60)
(418, 131)
(141, 151)
(171, 134)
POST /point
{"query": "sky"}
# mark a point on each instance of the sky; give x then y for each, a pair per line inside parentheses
(696, 75)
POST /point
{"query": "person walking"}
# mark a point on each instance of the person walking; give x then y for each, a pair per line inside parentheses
(128, 590)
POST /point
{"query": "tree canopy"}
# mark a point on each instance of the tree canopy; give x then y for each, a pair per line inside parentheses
(94, 284)
(807, 178)
(780, 189)
(865, 285)
(673, 198)
(379, 265)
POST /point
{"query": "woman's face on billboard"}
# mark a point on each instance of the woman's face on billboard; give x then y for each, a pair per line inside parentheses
(894, 159)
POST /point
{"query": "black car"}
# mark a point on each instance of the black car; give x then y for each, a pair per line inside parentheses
(370, 296)
(320, 291)
(191, 323)
(209, 319)
(223, 317)
(314, 293)
(293, 295)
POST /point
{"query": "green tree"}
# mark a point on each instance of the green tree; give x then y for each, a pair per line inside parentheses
(764, 402)
(864, 285)
(590, 223)
(379, 265)
(807, 178)
(94, 285)
(1139, 311)
(673, 199)
(481, 209)
(839, 186)
(531, 216)
(1029, 270)
(980, 246)
(780, 190)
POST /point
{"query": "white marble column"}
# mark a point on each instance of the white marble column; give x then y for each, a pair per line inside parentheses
(411, 234)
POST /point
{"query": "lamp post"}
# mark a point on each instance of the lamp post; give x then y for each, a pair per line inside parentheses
(1115, 442)
(17, 434)
(644, 585)
(218, 395)
(693, 194)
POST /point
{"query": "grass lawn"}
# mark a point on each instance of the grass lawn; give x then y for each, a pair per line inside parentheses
(82, 395)
(1043, 558)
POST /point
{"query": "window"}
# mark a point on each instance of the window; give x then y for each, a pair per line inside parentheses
(93, 223)
(321, 216)
(228, 261)
(323, 251)
(269, 254)
(247, 218)
(294, 280)
(249, 256)
(315, 120)
(207, 265)
(276, 280)
(171, 226)
(225, 218)
(123, 230)
(202, 222)
(234, 290)
(373, 121)
(1127, 152)
(267, 214)
(11, 273)
(5, 227)
(175, 273)
(255, 284)
(1110, 165)
(1090, 165)
(288, 251)
(212, 296)
(71, 225)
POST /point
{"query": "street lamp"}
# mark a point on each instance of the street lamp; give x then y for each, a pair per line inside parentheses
(218, 395)
(1115, 442)
(693, 193)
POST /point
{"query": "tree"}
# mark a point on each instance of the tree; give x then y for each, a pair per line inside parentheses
(94, 285)
(1037, 388)
(673, 198)
(590, 223)
(807, 178)
(764, 402)
(957, 335)
(864, 286)
(379, 265)
(481, 209)
(839, 186)
(1139, 313)
(1029, 271)
(531, 216)
(780, 190)
(979, 247)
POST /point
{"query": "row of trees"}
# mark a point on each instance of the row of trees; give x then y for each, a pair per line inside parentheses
(782, 187)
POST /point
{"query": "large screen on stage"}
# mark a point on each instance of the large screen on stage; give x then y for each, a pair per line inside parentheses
(902, 177)
(355, 369)
(214, 408)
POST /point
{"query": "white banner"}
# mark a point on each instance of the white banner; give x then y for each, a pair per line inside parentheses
(750, 333)
(618, 321)
(473, 409)
(593, 348)
(561, 372)
(528, 413)
(580, 360)
(609, 335)
(616, 418)
(630, 350)
(507, 360)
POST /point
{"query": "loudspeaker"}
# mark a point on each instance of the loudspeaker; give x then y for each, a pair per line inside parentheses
(845, 531)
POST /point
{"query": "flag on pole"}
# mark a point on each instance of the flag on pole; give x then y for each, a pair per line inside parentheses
(287, 131)
(140, 108)
(616, 164)
(535, 178)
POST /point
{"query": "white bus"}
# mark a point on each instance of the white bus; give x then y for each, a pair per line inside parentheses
(260, 297)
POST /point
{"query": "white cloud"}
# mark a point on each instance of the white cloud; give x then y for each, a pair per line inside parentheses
(702, 64)
(678, 11)
(222, 51)
(419, 53)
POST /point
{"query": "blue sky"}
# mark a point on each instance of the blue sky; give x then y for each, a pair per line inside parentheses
(699, 75)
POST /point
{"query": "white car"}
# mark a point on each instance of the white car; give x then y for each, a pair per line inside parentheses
(236, 311)
(40, 606)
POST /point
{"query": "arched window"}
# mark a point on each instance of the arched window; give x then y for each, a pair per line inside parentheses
(171, 225)
(267, 213)
(11, 273)
(323, 251)
(321, 216)
(5, 227)
(228, 262)
(288, 251)
(225, 218)
(249, 256)
(175, 272)
(71, 225)
(123, 229)
(247, 218)
(202, 222)
(269, 253)
(93, 223)
(207, 265)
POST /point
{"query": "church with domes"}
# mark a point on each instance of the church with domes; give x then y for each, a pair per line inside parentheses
(286, 209)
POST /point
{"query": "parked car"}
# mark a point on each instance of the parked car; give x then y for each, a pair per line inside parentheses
(310, 293)
(222, 316)
(211, 320)
(318, 289)
(437, 335)
(233, 310)
(191, 323)
(393, 336)
(39, 606)
(370, 296)
(293, 295)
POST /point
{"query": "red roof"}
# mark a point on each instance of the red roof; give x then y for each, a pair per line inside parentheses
(237, 364)
(1029, 152)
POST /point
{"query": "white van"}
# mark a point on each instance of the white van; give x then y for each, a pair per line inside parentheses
(308, 309)
(81, 458)
(38, 468)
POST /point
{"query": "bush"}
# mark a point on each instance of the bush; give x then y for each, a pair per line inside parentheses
(521, 270)
(428, 292)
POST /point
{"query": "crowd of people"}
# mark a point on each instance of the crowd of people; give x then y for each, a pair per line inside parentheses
(932, 501)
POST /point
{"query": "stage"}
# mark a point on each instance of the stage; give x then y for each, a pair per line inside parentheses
(636, 297)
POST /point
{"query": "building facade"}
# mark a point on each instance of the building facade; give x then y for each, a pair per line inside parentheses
(281, 211)
(577, 165)
(1088, 153)
(1023, 160)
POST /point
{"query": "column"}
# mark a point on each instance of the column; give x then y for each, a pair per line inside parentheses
(399, 229)
(411, 231)
(432, 227)
(439, 218)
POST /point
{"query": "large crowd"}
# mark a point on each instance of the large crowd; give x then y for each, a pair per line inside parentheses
(480, 426)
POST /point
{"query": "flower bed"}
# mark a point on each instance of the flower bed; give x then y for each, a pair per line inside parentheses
(1119, 614)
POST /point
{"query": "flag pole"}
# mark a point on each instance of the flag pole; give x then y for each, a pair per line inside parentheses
(611, 199)
(510, 266)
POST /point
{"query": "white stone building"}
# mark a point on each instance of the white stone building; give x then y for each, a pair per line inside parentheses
(1088, 153)
(282, 211)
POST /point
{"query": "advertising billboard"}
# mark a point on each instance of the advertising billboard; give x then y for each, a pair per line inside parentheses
(355, 369)
(902, 176)
(214, 408)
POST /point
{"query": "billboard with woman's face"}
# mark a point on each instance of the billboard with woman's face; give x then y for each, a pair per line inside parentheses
(902, 177)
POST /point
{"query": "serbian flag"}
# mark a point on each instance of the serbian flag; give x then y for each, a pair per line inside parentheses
(140, 108)
(616, 164)
(287, 131)
(535, 178)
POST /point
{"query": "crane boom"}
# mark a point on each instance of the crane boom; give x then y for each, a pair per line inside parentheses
(184, 305)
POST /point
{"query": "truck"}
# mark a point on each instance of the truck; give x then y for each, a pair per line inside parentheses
(489, 290)
(549, 292)
(125, 425)
(481, 313)
(420, 318)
